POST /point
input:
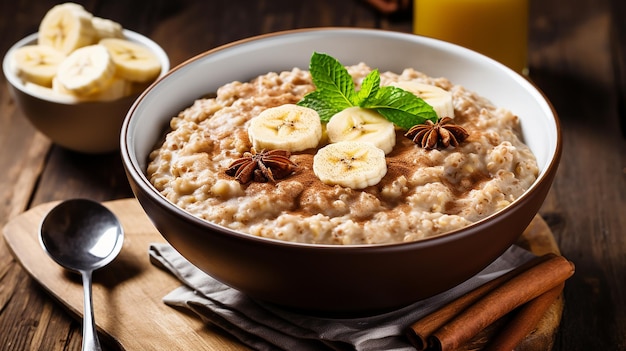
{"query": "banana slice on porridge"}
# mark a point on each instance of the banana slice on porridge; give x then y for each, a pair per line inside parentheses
(287, 127)
(352, 164)
(365, 125)
(439, 99)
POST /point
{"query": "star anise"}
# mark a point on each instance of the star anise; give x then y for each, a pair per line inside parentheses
(261, 166)
(431, 135)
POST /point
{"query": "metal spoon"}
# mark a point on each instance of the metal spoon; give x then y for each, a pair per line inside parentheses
(82, 235)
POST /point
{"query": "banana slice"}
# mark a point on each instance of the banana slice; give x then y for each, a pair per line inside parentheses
(50, 94)
(106, 28)
(118, 88)
(115, 89)
(133, 62)
(359, 124)
(66, 27)
(37, 63)
(352, 164)
(439, 99)
(288, 127)
(86, 70)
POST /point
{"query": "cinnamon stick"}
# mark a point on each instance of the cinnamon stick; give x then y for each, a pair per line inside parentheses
(524, 321)
(420, 330)
(389, 6)
(518, 290)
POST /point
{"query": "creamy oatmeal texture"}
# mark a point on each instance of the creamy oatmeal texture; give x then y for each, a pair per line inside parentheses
(424, 193)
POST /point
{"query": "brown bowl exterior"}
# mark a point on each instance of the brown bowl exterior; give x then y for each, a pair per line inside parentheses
(341, 281)
(326, 279)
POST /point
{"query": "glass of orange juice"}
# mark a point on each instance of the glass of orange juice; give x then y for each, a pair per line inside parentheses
(496, 28)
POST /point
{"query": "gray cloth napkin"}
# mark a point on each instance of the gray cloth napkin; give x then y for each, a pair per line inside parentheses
(267, 327)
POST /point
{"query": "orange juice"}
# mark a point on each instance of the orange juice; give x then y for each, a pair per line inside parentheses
(496, 28)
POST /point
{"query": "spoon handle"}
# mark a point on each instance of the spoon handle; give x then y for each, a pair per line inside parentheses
(90, 336)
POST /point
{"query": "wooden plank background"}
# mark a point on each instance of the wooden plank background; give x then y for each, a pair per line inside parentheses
(577, 57)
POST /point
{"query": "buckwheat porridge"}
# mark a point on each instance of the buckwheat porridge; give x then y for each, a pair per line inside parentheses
(423, 192)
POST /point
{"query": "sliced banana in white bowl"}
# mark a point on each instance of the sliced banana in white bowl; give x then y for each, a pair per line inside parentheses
(133, 62)
(84, 123)
(37, 64)
(67, 27)
(86, 70)
(106, 28)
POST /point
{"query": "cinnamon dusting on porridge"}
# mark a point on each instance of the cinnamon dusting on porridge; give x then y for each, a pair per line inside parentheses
(423, 192)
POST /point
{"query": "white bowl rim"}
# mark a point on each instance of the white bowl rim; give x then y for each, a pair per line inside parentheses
(17, 83)
(134, 171)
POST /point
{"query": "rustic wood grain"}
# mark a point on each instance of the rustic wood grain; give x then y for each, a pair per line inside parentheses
(572, 64)
(577, 57)
(618, 50)
(127, 293)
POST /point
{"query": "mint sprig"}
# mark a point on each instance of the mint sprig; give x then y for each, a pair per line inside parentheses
(335, 91)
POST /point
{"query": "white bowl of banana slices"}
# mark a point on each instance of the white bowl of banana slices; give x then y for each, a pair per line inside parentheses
(76, 78)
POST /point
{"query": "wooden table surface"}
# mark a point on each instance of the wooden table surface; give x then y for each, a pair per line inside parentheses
(577, 57)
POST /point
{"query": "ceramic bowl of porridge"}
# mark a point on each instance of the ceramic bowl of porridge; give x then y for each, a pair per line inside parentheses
(316, 217)
(83, 111)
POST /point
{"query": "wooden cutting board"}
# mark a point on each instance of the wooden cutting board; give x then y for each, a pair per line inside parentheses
(127, 293)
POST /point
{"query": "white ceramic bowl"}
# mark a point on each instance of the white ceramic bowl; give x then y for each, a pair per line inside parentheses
(88, 127)
(325, 278)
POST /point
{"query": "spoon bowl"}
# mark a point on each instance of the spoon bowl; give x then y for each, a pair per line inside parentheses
(82, 235)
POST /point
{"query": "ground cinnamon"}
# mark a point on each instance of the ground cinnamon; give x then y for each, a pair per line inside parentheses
(520, 289)
(420, 330)
(524, 321)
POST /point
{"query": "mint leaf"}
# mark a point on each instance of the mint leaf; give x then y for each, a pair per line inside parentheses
(335, 91)
(315, 100)
(333, 81)
(369, 87)
(401, 107)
